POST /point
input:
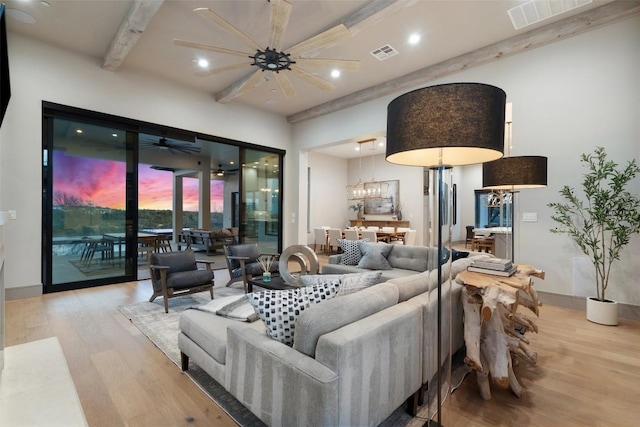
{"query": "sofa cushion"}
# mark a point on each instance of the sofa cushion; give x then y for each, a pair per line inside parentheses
(374, 256)
(280, 309)
(410, 286)
(349, 282)
(187, 279)
(351, 251)
(416, 258)
(210, 331)
(323, 318)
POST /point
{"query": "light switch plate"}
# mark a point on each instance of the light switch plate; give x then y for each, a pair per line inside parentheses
(529, 217)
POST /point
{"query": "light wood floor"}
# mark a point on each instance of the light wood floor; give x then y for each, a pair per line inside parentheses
(587, 374)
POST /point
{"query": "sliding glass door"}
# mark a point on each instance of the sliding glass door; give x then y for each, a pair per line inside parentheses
(115, 189)
(87, 180)
(261, 205)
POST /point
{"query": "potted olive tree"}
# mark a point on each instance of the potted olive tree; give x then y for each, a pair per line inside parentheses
(600, 222)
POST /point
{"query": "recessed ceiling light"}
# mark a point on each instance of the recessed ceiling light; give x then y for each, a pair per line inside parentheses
(335, 73)
(414, 39)
(358, 148)
(203, 63)
(232, 162)
(115, 135)
(78, 130)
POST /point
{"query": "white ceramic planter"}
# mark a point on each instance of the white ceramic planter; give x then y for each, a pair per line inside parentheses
(602, 312)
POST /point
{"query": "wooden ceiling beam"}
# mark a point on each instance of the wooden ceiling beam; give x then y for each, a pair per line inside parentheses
(131, 28)
(541, 36)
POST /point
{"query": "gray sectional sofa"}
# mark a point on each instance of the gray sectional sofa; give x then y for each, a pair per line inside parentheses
(355, 359)
(404, 260)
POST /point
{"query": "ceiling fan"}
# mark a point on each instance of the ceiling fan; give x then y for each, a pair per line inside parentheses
(222, 172)
(173, 147)
(273, 58)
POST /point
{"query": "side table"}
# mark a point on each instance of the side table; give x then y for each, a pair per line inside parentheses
(494, 330)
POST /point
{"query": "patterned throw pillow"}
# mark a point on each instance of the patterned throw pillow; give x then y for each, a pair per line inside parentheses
(349, 282)
(375, 256)
(280, 309)
(351, 254)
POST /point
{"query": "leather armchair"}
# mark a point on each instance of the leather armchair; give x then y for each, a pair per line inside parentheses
(175, 274)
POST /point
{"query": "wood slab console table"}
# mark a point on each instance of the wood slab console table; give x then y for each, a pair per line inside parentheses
(494, 330)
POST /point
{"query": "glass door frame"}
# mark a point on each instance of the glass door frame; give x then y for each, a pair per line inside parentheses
(51, 110)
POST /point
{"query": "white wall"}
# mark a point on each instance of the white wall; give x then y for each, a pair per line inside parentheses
(42, 72)
(568, 98)
(327, 192)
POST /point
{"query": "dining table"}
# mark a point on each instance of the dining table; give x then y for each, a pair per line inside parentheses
(144, 239)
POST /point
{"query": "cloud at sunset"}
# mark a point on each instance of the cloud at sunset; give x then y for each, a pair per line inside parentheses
(102, 182)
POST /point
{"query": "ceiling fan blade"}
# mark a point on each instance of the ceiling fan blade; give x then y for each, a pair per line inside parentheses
(206, 73)
(280, 14)
(312, 78)
(325, 39)
(285, 85)
(227, 26)
(196, 45)
(250, 82)
(343, 64)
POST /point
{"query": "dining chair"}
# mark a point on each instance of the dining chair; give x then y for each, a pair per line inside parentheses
(334, 234)
(400, 234)
(470, 236)
(351, 234)
(93, 246)
(369, 234)
(410, 237)
(320, 238)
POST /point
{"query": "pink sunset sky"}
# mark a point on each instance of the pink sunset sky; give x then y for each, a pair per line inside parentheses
(102, 182)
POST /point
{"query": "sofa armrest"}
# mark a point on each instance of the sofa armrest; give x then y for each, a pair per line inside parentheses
(277, 383)
(378, 360)
(335, 259)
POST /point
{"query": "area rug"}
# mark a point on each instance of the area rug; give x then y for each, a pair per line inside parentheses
(162, 329)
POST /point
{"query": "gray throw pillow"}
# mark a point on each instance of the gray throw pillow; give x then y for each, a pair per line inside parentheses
(349, 283)
(351, 254)
(375, 256)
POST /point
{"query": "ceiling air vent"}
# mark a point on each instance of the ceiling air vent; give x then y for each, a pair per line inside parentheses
(384, 52)
(533, 11)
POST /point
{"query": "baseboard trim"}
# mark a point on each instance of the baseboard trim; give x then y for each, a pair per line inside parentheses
(626, 311)
(23, 292)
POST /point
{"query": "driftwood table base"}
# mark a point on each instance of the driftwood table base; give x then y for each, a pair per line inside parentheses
(494, 330)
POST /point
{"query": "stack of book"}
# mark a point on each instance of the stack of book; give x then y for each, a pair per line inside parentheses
(495, 266)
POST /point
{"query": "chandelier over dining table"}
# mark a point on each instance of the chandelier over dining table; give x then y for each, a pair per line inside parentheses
(367, 190)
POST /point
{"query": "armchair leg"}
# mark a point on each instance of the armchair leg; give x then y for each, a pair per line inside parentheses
(211, 292)
(184, 361)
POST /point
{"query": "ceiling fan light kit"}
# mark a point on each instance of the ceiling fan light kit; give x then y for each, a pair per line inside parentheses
(273, 58)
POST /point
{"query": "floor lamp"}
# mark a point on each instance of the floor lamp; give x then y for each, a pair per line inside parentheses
(440, 127)
(511, 174)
